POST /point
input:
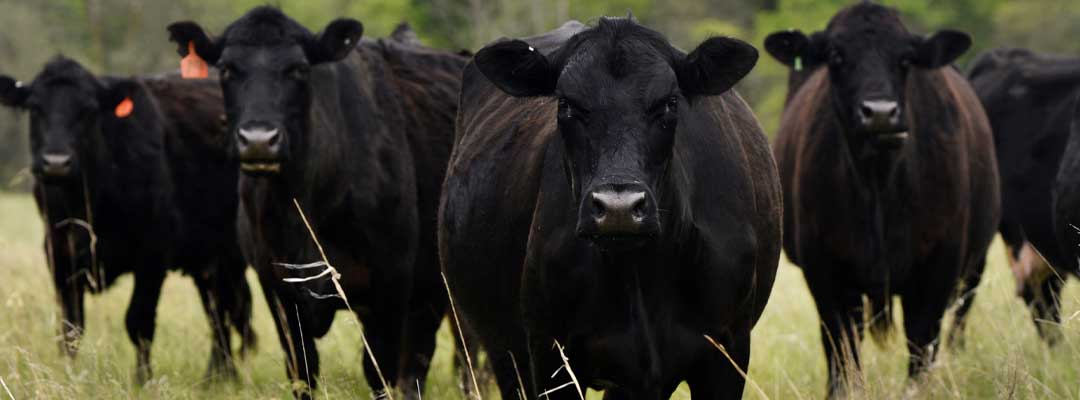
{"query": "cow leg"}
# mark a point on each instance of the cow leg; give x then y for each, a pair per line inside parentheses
(426, 310)
(240, 310)
(465, 371)
(966, 299)
(1045, 306)
(385, 325)
(70, 289)
(141, 317)
(716, 377)
(215, 303)
(301, 356)
(840, 309)
(924, 306)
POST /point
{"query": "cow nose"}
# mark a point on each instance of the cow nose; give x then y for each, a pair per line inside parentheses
(56, 164)
(621, 210)
(879, 114)
(258, 141)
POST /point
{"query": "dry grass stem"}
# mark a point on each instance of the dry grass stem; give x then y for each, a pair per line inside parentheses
(736, 366)
(569, 371)
(461, 334)
(335, 276)
(521, 383)
(6, 390)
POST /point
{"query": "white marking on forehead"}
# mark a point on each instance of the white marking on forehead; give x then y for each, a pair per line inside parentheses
(18, 84)
(531, 48)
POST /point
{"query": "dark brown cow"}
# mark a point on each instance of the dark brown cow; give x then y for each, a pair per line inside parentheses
(890, 181)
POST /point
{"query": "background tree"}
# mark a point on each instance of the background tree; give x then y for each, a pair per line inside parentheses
(125, 37)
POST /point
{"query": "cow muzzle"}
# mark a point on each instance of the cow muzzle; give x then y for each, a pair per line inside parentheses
(56, 165)
(259, 145)
(618, 214)
(882, 120)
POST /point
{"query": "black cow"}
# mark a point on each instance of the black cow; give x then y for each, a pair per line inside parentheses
(890, 181)
(357, 133)
(139, 189)
(612, 194)
(1028, 98)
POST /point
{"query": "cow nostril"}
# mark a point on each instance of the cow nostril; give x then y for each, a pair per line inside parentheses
(894, 112)
(866, 112)
(242, 138)
(275, 137)
(598, 207)
(638, 208)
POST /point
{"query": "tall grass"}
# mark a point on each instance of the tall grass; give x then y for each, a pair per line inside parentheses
(1003, 357)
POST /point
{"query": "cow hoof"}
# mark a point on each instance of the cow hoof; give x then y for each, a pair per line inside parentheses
(142, 376)
(221, 373)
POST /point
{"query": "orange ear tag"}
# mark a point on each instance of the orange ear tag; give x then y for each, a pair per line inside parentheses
(124, 109)
(192, 66)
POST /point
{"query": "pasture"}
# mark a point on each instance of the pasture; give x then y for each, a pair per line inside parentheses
(1003, 357)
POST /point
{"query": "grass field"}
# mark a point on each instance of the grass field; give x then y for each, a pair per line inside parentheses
(1003, 359)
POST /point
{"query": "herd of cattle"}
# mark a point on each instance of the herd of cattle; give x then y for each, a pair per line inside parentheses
(590, 193)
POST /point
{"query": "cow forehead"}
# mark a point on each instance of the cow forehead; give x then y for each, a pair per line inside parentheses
(63, 94)
(265, 26)
(265, 56)
(594, 71)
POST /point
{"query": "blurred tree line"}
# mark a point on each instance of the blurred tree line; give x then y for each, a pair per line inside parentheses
(124, 37)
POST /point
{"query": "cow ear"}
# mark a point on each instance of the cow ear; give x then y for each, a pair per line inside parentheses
(941, 49)
(795, 49)
(517, 69)
(116, 97)
(12, 92)
(335, 42)
(715, 66)
(188, 34)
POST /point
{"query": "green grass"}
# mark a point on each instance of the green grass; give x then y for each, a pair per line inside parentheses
(1003, 359)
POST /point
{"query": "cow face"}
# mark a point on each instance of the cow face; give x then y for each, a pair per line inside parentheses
(621, 91)
(266, 63)
(67, 107)
(869, 54)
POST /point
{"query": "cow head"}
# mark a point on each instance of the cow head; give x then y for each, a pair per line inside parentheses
(869, 54)
(621, 91)
(68, 106)
(266, 62)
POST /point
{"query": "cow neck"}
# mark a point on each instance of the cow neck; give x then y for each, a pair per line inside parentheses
(341, 147)
(873, 171)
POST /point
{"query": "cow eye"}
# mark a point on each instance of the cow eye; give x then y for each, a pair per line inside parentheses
(905, 62)
(672, 104)
(299, 72)
(566, 110)
(835, 58)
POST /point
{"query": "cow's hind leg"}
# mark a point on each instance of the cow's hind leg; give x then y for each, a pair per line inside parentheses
(427, 307)
(1045, 303)
(719, 377)
(216, 303)
(965, 301)
(141, 317)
